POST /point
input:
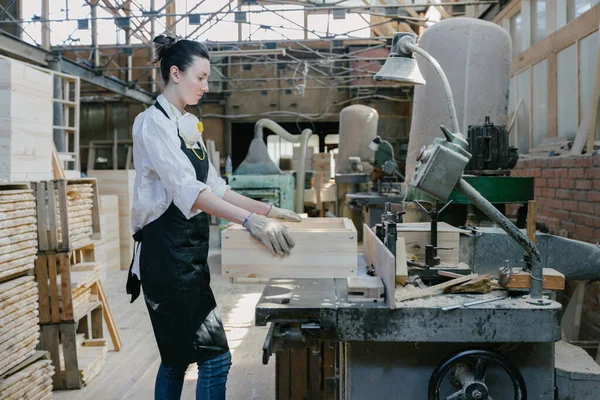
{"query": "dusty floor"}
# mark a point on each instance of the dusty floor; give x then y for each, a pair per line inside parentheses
(130, 373)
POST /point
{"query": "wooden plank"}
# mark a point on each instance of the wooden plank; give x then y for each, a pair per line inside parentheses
(40, 194)
(559, 40)
(69, 346)
(49, 342)
(553, 280)
(54, 314)
(324, 248)
(65, 287)
(401, 265)
(378, 256)
(41, 274)
(59, 173)
(595, 103)
(110, 323)
(61, 189)
(531, 217)
(432, 290)
(52, 222)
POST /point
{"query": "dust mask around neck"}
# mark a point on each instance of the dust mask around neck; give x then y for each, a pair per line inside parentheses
(190, 128)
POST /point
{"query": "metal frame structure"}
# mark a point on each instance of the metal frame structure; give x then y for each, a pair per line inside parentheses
(327, 60)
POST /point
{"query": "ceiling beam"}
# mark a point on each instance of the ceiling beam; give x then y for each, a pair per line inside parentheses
(106, 82)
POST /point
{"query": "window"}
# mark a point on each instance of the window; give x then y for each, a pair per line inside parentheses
(538, 20)
(279, 148)
(577, 7)
(539, 102)
(588, 53)
(515, 33)
(566, 76)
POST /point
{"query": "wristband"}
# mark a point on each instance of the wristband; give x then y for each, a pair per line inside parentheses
(270, 209)
(246, 220)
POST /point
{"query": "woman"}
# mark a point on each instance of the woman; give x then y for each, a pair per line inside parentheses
(176, 188)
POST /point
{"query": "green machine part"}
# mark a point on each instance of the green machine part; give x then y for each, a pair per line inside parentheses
(275, 189)
(382, 155)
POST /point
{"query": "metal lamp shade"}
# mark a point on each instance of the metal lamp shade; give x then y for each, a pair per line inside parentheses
(400, 69)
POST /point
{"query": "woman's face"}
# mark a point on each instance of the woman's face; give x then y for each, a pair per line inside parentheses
(193, 83)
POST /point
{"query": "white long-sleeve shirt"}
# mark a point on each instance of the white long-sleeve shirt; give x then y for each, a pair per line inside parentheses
(164, 174)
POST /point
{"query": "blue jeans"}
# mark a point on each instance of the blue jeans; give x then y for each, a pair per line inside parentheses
(212, 376)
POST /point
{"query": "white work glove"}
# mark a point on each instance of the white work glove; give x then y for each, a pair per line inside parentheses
(272, 234)
(286, 215)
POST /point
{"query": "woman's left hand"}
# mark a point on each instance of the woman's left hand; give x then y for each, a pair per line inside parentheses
(286, 215)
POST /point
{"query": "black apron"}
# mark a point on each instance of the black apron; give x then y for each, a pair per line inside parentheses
(176, 281)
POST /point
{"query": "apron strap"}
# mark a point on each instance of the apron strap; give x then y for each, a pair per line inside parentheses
(133, 286)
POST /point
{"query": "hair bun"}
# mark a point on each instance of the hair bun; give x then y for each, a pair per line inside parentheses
(162, 43)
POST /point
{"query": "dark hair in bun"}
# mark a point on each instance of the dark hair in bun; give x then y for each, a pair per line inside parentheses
(170, 51)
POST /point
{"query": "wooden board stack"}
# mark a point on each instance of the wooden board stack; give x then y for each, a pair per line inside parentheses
(26, 130)
(120, 183)
(107, 252)
(80, 202)
(34, 381)
(91, 356)
(19, 332)
(18, 231)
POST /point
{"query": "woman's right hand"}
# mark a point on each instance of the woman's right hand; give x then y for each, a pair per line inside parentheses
(272, 234)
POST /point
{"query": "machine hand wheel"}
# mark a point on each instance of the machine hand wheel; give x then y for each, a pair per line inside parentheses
(467, 370)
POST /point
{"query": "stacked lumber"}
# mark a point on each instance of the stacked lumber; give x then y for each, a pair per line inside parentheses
(107, 252)
(33, 381)
(82, 284)
(555, 146)
(80, 202)
(90, 358)
(27, 118)
(120, 183)
(19, 330)
(18, 232)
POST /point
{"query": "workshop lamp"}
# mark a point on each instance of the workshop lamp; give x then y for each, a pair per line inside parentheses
(441, 165)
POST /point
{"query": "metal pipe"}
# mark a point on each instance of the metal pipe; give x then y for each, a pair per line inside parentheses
(407, 45)
(303, 140)
(488, 209)
(96, 54)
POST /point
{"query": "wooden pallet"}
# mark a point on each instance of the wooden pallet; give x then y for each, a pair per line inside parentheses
(68, 213)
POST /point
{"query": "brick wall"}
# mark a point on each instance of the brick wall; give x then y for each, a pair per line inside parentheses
(567, 194)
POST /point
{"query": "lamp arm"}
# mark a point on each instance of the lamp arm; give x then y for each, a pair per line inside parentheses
(391, 151)
(408, 44)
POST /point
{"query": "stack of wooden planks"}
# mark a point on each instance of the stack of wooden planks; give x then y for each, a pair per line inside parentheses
(18, 231)
(91, 356)
(120, 183)
(106, 249)
(26, 129)
(80, 202)
(19, 331)
(555, 146)
(33, 381)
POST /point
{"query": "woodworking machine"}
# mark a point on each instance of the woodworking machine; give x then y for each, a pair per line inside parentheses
(416, 343)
